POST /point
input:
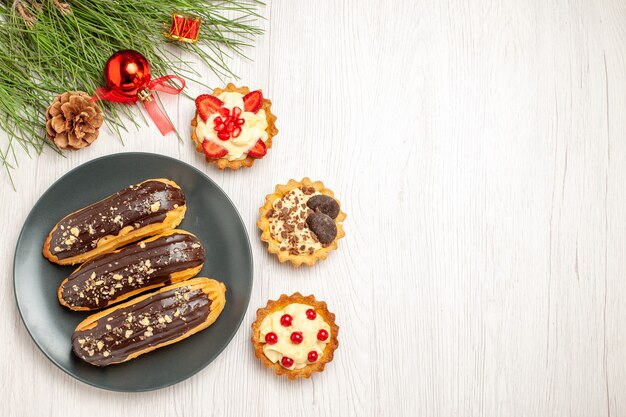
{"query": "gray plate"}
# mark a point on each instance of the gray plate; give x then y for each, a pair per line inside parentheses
(210, 215)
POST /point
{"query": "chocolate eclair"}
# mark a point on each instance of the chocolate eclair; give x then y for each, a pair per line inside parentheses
(141, 210)
(149, 322)
(164, 259)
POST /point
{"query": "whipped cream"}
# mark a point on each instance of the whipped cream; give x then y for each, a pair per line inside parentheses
(253, 129)
(300, 323)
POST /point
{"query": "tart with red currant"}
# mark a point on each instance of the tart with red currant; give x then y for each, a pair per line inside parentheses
(301, 222)
(233, 127)
(295, 335)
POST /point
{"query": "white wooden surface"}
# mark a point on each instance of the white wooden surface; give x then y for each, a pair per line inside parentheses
(479, 150)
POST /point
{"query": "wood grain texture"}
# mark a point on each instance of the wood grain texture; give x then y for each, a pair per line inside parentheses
(478, 149)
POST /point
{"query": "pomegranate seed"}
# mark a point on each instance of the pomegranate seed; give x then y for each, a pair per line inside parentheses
(229, 125)
(236, 111)
(322, 335)
(287, 362)
(219, 127)
(236, 132)
(224, 112)
(223, 135)
(217, 120)
(285, 320)
(271, 338)
(311, 314)
(312, 356)
(296, 338)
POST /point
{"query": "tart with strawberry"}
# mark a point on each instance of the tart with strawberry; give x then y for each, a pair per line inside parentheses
(233, 127)
(301, 222)
(295, 335)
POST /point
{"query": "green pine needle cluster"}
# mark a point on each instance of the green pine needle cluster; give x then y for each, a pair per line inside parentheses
(66, 49)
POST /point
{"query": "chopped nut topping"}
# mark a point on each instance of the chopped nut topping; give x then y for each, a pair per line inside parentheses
(74, 231)
(144, 321)
(155, 207)
(117, 277)
(128, 333)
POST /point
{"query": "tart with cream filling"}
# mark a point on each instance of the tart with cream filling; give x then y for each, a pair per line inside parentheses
(233, 127)
(295, 335)
(301, 222)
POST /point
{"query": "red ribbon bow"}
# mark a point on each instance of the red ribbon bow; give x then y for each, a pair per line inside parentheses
(145, 95)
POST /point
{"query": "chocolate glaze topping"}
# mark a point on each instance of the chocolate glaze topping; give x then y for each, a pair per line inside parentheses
(157, 319)
(105, 279)
(136, 206)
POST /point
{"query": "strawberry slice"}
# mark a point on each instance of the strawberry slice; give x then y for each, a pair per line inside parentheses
(207, 105)
(212, 150)
(258, 150)
(252, 101)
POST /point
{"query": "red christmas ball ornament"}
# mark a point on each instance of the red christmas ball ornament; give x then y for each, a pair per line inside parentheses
(127, 72)
(128, 79)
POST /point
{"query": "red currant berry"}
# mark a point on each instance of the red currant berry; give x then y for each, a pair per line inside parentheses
(322, 335)
(312, 356)
(271, 338)
(287, 362)
(296, 338)
(285, 320)
(311, 314)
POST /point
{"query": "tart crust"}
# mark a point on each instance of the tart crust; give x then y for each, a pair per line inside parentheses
(321, 309)
(223, 163)
(274, 245)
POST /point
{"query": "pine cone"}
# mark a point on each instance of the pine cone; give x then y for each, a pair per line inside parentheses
(73, 120)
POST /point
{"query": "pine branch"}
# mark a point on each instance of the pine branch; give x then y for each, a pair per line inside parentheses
(52, 46)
